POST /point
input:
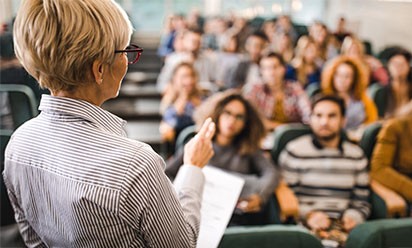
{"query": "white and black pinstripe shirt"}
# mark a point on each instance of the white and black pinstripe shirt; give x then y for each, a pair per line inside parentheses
(75, 180)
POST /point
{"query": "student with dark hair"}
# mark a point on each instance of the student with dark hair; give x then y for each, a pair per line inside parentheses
(327, 173)
(246, 71)
(236, 144)
(400, 85)
(279, 100)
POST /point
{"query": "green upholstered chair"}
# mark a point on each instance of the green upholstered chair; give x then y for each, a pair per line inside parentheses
(184, 136)
(22, 102)
(269, 236)
(385, 233)
(312, 90)
(378, 94)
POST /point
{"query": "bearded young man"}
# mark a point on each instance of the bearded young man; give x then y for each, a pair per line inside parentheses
(327, 172)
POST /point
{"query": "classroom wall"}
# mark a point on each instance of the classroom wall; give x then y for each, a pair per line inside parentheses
(382, 22)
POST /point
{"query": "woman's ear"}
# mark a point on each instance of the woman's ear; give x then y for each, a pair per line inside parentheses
(98, 70)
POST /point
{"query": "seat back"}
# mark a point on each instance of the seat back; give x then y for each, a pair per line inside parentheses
(284, 134)
(379, 95)
(368, 139)
(184, 136)
(268, 236)
(22, 102)
(381, 234)
(7, 213)
(313, 89)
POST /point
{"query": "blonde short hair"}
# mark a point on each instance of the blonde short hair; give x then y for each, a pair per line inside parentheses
(57, 41)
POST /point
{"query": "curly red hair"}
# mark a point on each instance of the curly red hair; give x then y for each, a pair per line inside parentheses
(360, 79)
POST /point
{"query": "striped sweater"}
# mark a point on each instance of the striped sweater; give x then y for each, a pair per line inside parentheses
(331, 180)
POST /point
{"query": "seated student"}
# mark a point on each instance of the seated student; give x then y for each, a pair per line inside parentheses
(400, 85)
(353, 47)
(391, 162)
(325, 41)
(181, 98)
(192, 53)
(347, 78)
(246, 71)
(280, 100)
(228, 58)
(304, 66)
(239, 131)
(327, 173)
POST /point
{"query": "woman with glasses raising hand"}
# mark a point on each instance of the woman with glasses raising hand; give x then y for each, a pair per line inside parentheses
(236, 145)
(73, 177)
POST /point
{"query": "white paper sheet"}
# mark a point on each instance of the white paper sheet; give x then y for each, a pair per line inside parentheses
(220, 196)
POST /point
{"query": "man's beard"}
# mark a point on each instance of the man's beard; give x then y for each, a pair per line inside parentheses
(327, 138)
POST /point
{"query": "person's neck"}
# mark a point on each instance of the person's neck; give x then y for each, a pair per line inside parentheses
(222, 140)
(399, 83)
(254, 59)
(276, 85)
(345, 96)
(87, 94)
(333, 143)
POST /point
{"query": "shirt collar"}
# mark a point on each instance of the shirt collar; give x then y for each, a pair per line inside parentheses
(83, 110)
(319, 146)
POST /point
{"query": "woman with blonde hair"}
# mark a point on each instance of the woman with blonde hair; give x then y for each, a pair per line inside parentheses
(236, 143)
(347, 77)
(181, 98)
(305, 66)
(72, 175)
(353, 47)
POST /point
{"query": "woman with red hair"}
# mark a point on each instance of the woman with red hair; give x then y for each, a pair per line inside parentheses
(348, 78)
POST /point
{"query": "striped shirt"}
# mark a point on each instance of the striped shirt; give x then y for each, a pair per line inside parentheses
(333, 180)
(75, 180)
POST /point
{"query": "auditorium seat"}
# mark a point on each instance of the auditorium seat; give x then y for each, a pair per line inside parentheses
(22, 102)
(269, 236)
(382, 233)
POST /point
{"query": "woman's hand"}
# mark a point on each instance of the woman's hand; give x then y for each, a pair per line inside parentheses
(199, 150)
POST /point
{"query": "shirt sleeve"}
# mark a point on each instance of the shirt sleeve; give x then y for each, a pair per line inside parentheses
(268, 175)
(161, 215)
(370, 110)
(383, 160)
(28, 234)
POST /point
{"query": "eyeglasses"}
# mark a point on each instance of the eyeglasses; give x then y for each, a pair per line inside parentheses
(238, 117)
(133, 53)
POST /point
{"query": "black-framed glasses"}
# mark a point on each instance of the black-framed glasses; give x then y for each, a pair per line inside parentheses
(133, 53)
(238, 117)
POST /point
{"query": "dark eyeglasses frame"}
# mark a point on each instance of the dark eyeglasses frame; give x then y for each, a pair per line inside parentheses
(132, 48)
